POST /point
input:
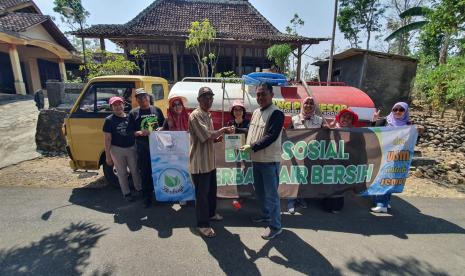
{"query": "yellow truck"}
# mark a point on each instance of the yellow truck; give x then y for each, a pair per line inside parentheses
(83, 127)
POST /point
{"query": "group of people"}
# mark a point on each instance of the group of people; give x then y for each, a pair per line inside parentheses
(127, 146)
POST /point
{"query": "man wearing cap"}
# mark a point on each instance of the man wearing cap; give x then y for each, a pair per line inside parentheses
(264, 143)
(202, 161)
(143, 120)
(119, 147)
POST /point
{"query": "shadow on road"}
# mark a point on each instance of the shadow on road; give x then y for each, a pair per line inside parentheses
(235, 258)
(394, 266)
(62, 253)
(405, 218)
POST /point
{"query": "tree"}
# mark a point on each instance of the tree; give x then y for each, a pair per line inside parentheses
(442, 85)
(357, 15)
(201, 36)
(296, 23)
(75, 15)
(139, 55)
(447, 20)
(279, 54)
(398, 20)
(113, 64)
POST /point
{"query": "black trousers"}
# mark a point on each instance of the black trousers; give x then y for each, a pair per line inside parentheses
(205, 197)
(145, 167)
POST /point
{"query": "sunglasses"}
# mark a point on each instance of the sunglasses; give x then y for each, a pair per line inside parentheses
(177, 104)
(398, 110)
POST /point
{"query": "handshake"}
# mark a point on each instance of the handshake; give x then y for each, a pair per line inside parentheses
(228, 130)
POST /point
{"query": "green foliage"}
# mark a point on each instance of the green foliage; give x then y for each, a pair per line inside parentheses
(78, 15)
(139, 55)
(201, 36)
(357, 15)
(227, 74)
(296, 22)
(441, 85)
(279, 54)
(406, 29)
(113, 64)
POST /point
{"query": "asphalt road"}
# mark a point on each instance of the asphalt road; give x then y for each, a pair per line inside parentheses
(95, 232)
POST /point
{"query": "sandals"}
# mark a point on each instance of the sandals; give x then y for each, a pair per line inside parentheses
(217, 217)
(207, 232)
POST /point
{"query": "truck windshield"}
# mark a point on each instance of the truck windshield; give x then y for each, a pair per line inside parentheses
(97, 96)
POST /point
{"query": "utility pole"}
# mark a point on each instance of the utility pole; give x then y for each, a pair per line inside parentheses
(330, 63)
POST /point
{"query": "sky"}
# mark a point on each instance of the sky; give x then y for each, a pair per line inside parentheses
(317, 14)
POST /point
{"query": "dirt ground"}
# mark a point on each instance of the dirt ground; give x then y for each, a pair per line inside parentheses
(54, 172)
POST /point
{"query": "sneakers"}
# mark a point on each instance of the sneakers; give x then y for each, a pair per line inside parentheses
(291, 210)
(261, 219)
(379, 209)
(271, 233)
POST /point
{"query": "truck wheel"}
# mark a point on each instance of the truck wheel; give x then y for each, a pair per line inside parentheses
(110, 174)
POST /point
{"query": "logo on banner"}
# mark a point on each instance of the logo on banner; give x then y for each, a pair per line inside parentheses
(172, 181)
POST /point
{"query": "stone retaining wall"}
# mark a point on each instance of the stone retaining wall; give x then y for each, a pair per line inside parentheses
(49, 137)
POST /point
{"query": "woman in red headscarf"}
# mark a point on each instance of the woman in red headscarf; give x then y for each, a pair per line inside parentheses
(177, 115)
(178, 119)
(346, 118)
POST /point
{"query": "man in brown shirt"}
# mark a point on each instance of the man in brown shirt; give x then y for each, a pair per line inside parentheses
(202, 161)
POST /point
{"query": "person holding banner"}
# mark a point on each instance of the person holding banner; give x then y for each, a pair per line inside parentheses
(120, 149)
(241, 126)
(307, 119)
(399, 116)
(143, 120)
(346, 118)
(202, 161)
(178, 119)
(264, 144)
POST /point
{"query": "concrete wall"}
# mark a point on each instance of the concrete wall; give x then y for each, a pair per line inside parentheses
(350, 71)
(388, 81)
(39, 32)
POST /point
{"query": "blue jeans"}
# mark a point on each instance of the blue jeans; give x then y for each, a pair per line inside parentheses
(382, 200)
(291, 203)
(266, 182)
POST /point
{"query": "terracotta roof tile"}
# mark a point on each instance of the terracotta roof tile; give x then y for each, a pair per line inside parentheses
(6, 4)
(232, 19)
(18, 22)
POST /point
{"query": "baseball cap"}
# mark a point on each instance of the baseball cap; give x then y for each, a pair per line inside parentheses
(115, 100)
(141, 91)
(205, 91)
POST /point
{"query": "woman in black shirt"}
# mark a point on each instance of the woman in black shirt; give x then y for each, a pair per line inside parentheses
(240, 123)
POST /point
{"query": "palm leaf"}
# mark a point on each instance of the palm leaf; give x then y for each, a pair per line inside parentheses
(406, 29)
(415, 11)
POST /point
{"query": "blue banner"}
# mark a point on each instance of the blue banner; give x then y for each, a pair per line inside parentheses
(169, 151)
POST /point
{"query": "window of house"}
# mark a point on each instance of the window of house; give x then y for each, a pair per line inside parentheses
(97, 96)
(157, 92)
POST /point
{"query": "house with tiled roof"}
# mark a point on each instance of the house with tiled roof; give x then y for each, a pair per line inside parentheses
(243, 36)
(32, 48)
